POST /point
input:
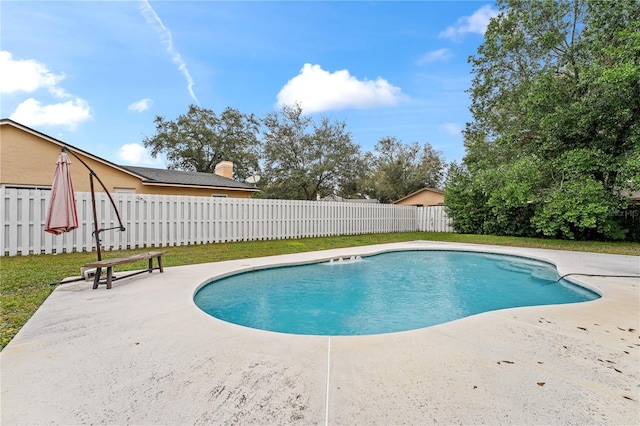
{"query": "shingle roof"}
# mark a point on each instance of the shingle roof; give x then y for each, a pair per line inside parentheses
(179, 177)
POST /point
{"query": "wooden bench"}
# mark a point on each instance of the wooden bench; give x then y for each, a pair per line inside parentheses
(110, 263)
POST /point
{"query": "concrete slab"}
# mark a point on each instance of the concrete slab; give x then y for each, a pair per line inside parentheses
(143, 353)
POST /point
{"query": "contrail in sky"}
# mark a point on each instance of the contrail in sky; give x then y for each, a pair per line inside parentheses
(166, 38)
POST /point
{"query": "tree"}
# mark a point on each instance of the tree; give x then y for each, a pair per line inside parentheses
(350, 183)
(200, 139)
(464, 201)
(556, 121)
(302, 159)
(398, 169)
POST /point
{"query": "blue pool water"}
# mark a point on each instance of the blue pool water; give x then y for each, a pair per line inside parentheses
(385, 293)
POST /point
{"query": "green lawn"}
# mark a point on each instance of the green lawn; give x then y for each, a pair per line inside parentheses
(24, 280)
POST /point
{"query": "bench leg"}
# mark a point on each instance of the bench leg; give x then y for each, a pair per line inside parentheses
(109, 276)
(160, 263)
(150, 265)
(96, 278)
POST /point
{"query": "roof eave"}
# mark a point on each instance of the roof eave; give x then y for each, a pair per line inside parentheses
(183, 185)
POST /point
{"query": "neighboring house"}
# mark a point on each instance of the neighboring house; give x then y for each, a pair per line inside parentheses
(423, 197)
(28, 160)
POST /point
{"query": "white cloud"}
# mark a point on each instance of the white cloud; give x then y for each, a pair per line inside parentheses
(70, 113)
(166, 38)
(27, 75)
(436, 55)
(134, 154)
(452, 129)
(141, 105)
(319, 90)
(476, 23)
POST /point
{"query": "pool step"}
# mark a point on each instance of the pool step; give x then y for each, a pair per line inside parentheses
(537, 271)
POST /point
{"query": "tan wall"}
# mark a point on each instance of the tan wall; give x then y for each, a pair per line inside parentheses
(29, 160)
(194, 192)
(424, 198)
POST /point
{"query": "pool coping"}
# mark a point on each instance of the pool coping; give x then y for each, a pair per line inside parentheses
(144, 353)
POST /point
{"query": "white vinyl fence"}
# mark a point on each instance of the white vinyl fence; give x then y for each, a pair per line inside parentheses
(165, 220)
(433, 219)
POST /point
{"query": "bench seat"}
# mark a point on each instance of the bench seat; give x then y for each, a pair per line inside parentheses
(110, 263)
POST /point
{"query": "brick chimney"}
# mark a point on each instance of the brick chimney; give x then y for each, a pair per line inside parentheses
(224, 169)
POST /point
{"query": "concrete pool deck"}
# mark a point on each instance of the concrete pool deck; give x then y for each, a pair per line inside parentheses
(142, 353)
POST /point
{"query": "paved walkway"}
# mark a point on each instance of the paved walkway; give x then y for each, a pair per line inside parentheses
(143, 353)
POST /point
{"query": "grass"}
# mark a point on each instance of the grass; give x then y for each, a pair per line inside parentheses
(25, 280)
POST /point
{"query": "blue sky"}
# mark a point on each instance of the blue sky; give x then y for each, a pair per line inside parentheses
(95, 74)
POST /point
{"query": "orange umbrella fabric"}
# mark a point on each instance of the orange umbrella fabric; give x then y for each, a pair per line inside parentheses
(62, 215)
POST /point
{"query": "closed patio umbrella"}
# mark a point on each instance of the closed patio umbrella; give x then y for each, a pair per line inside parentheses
(62, 215)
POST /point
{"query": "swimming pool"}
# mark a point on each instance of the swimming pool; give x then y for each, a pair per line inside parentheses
(384, 293)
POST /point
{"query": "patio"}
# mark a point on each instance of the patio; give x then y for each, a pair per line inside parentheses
(143, 353)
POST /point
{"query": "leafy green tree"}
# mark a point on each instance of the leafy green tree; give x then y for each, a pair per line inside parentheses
(200, 139)
(304, 159)
(398, 169)
(556, 121)
(351, 182)
(465, 200)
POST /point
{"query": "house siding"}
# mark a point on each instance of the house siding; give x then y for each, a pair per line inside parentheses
(422, 198)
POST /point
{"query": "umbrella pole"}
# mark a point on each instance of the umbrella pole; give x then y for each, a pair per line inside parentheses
(96, 231)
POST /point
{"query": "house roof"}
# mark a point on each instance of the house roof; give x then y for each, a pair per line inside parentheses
(437, 191)
(182, 178)
(147, 175)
